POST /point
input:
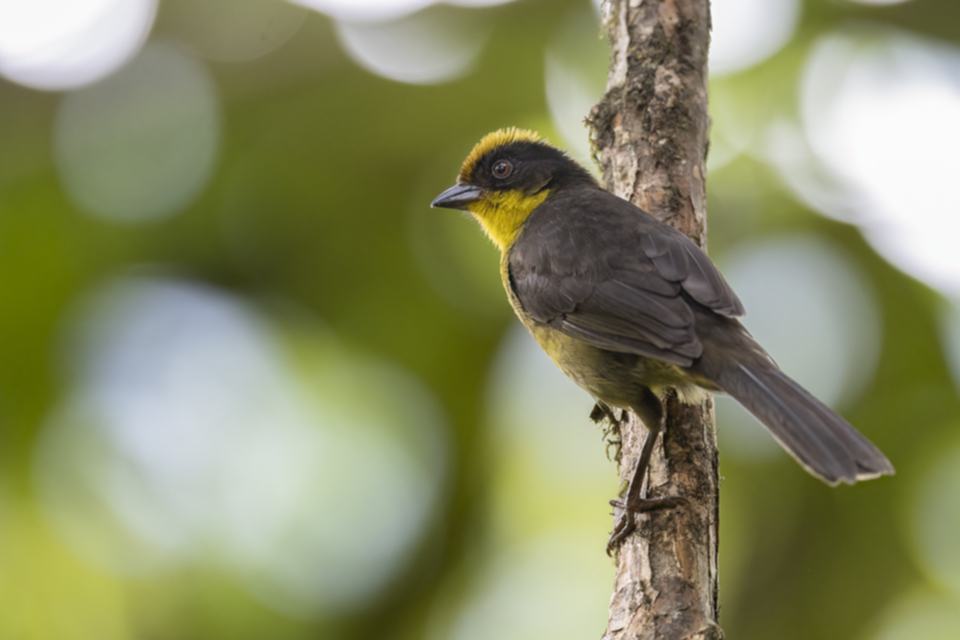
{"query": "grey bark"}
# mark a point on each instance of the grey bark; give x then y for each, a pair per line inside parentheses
(650, 139)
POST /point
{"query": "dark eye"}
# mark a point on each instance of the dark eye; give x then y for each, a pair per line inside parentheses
(502, 168)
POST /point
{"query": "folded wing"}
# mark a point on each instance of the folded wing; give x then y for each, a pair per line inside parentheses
(599, 269)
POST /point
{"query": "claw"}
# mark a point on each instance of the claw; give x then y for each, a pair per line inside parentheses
(626, 523)
(623, 527)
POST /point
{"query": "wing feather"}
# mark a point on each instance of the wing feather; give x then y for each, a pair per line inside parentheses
(601, 270)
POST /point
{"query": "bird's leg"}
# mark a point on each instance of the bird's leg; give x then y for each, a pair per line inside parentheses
(650, 411)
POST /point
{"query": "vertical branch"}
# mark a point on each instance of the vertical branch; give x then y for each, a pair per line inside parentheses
(650, 139)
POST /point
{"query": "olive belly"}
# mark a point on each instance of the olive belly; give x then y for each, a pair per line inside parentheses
(618, 379)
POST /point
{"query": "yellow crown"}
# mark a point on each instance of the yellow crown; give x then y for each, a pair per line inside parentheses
(492, 141)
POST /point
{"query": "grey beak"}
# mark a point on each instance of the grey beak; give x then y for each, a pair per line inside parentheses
(457, 197)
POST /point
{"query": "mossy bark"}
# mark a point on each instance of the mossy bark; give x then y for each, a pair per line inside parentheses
(650, 139)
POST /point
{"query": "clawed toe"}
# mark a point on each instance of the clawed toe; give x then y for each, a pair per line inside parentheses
(624, 527)
(642, 505)
(626, 523)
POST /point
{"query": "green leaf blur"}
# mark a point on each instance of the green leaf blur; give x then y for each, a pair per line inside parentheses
(463, 471)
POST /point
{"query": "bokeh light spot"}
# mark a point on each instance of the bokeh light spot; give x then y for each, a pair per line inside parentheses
(920, 614)
(65, 44)
(950, 332)
(190, 430)
(747, 32)
(552, 587)
(233, 30)
(140, 145)
(814, 313)
(885, 119)
(936, 520)
(428, 47)
(575, 76)
(380, 10)
(536, 408)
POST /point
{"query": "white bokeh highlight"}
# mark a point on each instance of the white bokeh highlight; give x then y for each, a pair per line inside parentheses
(884, 118)
(535, 408)
(815, 313)
(569, 99)
(383, 10)
(424, 48)
(747, 32)
(191, 434)
(936, 520)
(575, 74)
(544, 573)
(233, 30)
(788, 150)
(731, 133)
(552, 587)
(65, 44)
(950, 335)
(141, 145)
(919, 613)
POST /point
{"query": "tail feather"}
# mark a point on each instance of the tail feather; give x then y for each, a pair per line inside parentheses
(825, 444)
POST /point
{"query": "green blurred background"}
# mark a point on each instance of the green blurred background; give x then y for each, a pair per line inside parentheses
(251, 386)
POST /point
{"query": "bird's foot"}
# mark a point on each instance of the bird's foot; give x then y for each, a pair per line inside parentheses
(626, 522)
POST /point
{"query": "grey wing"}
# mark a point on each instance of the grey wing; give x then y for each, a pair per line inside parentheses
(679, 260)
(612, 276)
(632, 309)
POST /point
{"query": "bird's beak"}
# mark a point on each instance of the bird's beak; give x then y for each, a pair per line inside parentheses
(459, 196)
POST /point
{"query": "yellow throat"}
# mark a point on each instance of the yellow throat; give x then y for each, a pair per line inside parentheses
(501, 214)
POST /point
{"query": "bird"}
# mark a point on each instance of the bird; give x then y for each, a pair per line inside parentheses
(632, 310)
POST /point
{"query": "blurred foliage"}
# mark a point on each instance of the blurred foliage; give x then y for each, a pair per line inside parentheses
(318, 207)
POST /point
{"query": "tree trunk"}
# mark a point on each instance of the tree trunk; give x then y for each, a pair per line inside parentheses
(650, 138)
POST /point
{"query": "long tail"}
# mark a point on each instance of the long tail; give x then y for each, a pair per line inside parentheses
(821, 441)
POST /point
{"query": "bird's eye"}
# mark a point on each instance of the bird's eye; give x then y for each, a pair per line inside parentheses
(502, 168)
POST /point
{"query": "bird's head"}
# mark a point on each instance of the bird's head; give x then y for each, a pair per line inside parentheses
(506, 176)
